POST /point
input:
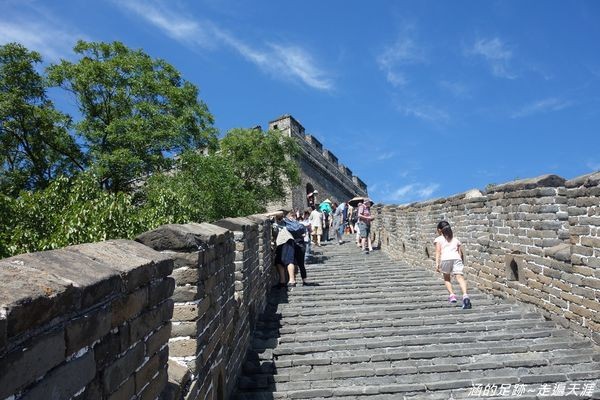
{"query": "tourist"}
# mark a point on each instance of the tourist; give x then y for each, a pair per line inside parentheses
(339, 221)
(298, 231)
(449, 259)
(305, 221)
(316, 222)
(364, 225)
(356, 226)
(326, 211)
(284, 254)
(351, 220)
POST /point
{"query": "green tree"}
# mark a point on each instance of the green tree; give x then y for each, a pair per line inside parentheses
(203, 188)
(69, 211)
(137, 112)
(35, 145)
(266, 161)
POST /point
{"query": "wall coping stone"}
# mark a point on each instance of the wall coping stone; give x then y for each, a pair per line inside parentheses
(239, 224)
(548, 180)
(40, 287)
(259, 218)
(181, 237)
(587, 180)
(473, 193)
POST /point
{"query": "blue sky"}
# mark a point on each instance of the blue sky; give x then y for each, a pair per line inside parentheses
(420, 99)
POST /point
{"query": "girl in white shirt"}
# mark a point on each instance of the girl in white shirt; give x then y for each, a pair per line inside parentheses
(449, 259)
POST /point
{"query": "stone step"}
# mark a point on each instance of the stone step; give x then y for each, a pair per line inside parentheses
(409, 326)
(442, 390)
(449, 315)
(412, 376)
(391, 350)
(303, 298)
(372, 328)
(409, 337)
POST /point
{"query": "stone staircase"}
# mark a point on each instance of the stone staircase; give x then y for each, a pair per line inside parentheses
(373, 329)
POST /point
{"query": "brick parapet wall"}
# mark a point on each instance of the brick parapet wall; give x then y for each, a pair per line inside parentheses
(85, 322)
(223, 272)
(535, 240)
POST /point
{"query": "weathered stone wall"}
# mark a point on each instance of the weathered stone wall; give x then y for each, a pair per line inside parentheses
(535, 240)
(223, 272)
(86, 322)
(320, 169)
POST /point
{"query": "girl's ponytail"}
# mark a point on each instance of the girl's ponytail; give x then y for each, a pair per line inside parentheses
(444, 226)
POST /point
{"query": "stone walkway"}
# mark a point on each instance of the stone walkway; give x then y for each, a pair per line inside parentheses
(377, 329)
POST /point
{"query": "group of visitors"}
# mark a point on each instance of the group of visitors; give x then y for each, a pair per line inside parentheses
(296, 232)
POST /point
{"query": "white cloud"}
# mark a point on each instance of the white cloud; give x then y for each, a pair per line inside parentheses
(386, 156)
(297, 62)
(38, 30)
(457, 89)
(403, 52)
(290, 62)
(542, 106)
(497, 54)
(410, 192)
(425, 112)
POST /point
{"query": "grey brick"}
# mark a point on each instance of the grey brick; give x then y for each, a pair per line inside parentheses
(24, 366)
(124, 367)
(66, 380)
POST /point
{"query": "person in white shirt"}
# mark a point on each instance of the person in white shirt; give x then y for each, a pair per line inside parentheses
(449, 260)
(307, 240)
(316, 222)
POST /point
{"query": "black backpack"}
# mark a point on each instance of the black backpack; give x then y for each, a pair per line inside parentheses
(295, 228)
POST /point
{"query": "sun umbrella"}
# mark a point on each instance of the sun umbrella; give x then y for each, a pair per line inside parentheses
(355, 200)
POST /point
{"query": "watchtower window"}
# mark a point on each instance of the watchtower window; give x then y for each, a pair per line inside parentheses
(513, 272)
(275, 126)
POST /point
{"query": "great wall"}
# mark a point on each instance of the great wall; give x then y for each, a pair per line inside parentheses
(187, 311)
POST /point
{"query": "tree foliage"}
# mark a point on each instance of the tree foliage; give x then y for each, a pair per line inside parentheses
(203, 188)
(68, 211)
(264, 160)
(35, 145)
(140, 159)
(137, 112)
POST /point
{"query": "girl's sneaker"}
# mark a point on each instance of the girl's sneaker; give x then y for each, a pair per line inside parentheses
(466, 303)
(452, 298)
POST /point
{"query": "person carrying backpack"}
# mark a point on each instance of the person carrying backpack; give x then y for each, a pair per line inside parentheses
(298, 232)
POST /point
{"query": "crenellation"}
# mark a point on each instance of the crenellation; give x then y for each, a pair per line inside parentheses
(315, 143)
(328, 155)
